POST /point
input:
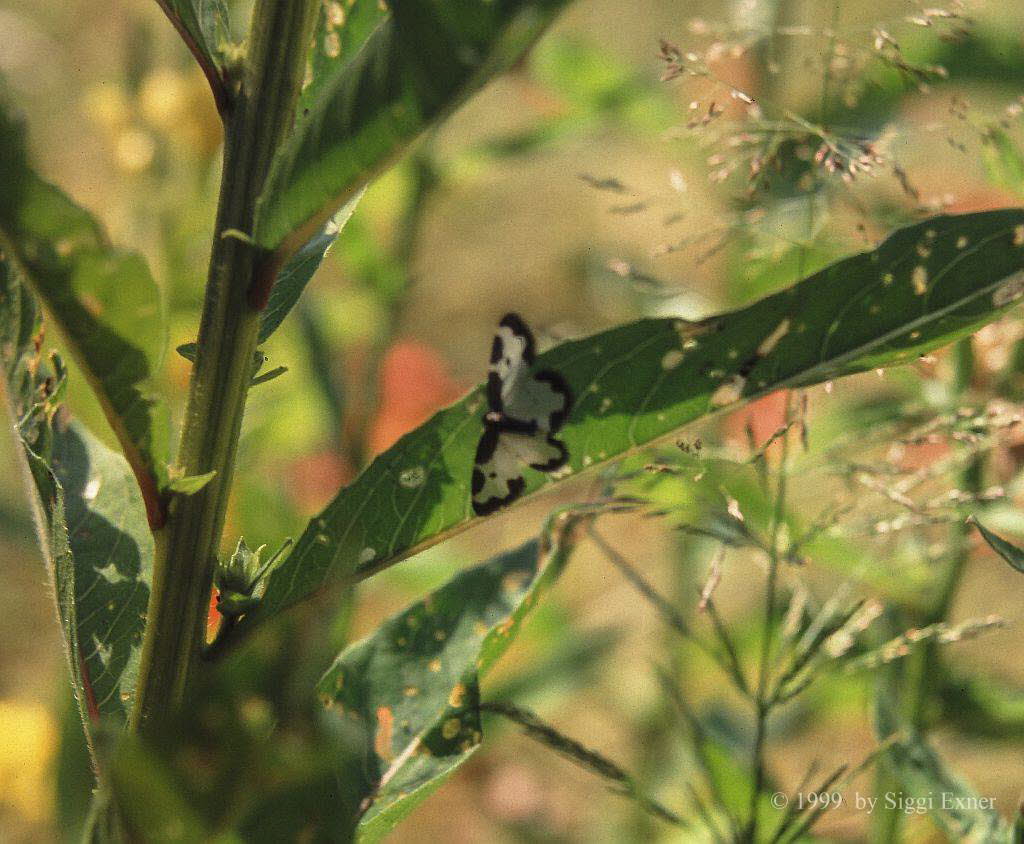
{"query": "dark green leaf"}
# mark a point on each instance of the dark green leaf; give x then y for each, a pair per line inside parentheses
(74, 780)
(270, 375)
(341, 31)
(1007, 550)
(113, 562)
(91, 519)
(292, 280)
(413, 683)
(926, 286)
(952, 803)
(982, 706)
(412, 70)
(103, 300)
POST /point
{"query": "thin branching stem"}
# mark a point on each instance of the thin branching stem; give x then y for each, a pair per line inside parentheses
(673, 618)
(763, 695)
(622, 782)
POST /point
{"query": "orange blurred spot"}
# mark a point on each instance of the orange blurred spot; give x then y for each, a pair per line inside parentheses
(764, 417)
(414, 383)
(213, 618)
(382, 742)
(314, 479)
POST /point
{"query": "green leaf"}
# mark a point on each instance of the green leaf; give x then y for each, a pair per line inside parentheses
(413, 69)
(113, 553)
(639, 382)
(951, 802)
(1007, 550)
(91, 521)
(292, 280)
(270, 375)
(1003, 160)
(982, 706)
(414, 683)
(192, 484)
(103, 300)
(203, 26)
(340, 32)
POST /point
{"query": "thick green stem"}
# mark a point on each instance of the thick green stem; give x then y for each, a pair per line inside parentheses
(188, 544)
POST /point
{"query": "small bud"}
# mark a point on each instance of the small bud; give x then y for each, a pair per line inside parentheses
(241, 580)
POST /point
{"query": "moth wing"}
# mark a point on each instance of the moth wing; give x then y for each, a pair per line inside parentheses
(541, 398)
(500, 458)
(497, 473)
(511, 356)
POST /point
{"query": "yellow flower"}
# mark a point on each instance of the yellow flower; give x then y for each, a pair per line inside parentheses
(26, 754)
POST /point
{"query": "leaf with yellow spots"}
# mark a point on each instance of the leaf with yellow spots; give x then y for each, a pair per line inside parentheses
(417, 695)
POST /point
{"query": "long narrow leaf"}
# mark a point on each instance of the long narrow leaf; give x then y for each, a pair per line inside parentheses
(950, 801)
(295, 275)
(102, 298)
(414, 683)
(412, 69)
(1013, 554)
(91, 520)
(926, 286)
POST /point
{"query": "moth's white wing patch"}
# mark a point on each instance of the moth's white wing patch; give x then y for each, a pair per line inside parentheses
(498, 473)
(509, 356)
(526, 409)
(542, 399)
(536, 451)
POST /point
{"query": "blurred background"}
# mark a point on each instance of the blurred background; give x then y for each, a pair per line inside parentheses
(648, 158)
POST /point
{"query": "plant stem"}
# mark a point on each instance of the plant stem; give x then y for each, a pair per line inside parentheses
(762, 698)
(923, 669)
(188, 544)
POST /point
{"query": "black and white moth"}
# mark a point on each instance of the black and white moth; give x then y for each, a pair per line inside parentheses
(525, 410)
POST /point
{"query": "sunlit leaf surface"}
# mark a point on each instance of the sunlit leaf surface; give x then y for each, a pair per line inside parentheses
(368, 99)
(922, 288)
(103, 300)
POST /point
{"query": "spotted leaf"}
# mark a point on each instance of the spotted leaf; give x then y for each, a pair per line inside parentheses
(413, 684)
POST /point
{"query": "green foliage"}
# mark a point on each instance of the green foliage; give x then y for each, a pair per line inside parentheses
(190, 485)
(924, 287)
(295, 275)
(1003, 160)
(153, 805)
(414, 683)
(1007, 550)
(235, 747)
(112, 550)
(957, 808)
(103, 299)
(92, 523)
(413, 69)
